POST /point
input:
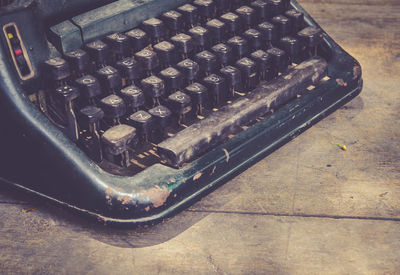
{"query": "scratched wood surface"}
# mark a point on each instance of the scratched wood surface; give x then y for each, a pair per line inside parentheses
(308, 208)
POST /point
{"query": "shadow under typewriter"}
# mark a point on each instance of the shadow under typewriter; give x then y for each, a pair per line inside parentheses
(139, 123)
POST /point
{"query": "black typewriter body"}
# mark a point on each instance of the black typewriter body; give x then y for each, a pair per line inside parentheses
(136, 132)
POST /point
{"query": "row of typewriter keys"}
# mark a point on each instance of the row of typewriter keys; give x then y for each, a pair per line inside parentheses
(129, 87)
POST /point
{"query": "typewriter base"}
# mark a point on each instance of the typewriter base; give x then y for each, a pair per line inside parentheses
(283, 126)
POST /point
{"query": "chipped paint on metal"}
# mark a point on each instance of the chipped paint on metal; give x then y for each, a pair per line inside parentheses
(226, 154)
(197, 176)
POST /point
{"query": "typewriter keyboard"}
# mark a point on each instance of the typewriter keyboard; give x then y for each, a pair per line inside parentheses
(175, 86)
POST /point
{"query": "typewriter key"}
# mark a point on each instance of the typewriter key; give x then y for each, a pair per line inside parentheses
(264, 63)
(99, 52)
(180, 104)
(190, 15)
(57, 70)
(162, 119)
(173, 79)
(78, 60)
(268, 32)
(199, 96)
(148, 60)
(116, 144)
(216, 89)
(134, 97)
(206, 9)
(119, 45)
(249, 72)
(296, 19)
(254, 38)
(173, 21)
(166, 52)
(248, 15)
(63, 98)
(143, 122)
(114, 108)
(155, 28)
(283, 25)
(275, 7)
(233, 22)
(261, 9)
(201, 37)
(153, 88)
(110, 79)
(239, 46)
(189, 69)
(223, 53)
(207, 62)
(279, 61)
(233, 80)
(184, 44)
(311, 38)
(89, 88)
(90, 117)
(291, 46)
(130, 70)
(138, 39)
(217, 29)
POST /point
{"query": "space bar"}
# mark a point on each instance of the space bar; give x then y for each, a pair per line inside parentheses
(201, 136)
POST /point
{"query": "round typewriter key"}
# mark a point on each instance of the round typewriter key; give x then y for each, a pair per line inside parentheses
(184, 44)
(133, 96)
(130, 69)
(173, 21)
(180, 104)
(143, 122)
(206, 8)
(261, 9)
(138, 38)
(311, 37)
(222, 6)
(239, 46)
(57, 69)
(90, 141)
(249, 72)
(148, 59)
(98, 51)
(216, 87)
(291, 46)
(91, 115)
(114, 107)
(268, 32)
(89, 88)
(155, 28)
(233, 79)
(254, 38)
(162, 119)
(154, 88)
(190, 15)
(233, 22)
(189, 69)
(173, 79)
(119, 44)
(217, 29)
(166, 52)
(296, 19)
(275, 7)
(78, 60)
(201, 37)
(248, 15)
(207, 62)
(223, 53)
(199, 96)
(263, 61)
(283, 25)
(116, 144)
(279, 60)
(109, 78)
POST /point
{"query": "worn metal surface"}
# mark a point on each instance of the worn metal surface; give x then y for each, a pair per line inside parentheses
(308, 208)
(200, 137)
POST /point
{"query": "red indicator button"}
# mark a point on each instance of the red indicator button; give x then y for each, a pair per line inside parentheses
(17, 52)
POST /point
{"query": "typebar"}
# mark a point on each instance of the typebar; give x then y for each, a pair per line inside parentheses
(198, 138)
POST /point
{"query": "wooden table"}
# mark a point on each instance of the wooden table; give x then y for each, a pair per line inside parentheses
(307, 208)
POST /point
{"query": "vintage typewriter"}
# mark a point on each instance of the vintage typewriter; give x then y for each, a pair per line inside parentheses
(129, 110)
